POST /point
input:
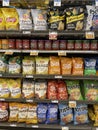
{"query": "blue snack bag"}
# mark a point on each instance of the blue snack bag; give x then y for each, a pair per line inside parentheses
(66, 114)
(42, 113)
(81, 114)
(52, 114)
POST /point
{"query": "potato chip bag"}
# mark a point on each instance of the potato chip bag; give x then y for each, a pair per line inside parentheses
(95, 106)
(81, 114)
(66, 65)
(91, 114)
(32, 114)
(11, 18)
(13, 116)
(42, 65)
(77, 66)
(73, 88)
(28, 66)
(54, 65)
(3, 63)
(23, 111)
(15, 88)
(2, 21)
(28, 88)
(66, 115)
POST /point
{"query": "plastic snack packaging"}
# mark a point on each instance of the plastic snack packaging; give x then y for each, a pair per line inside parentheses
(54, 65)
(66, 114)
(52, 114)
(39, 18)
(23, 111)
(32, 114)
(73, 88)
(78, 67)
(28, 88)
(91, 90)
(42, 65)
(2, 21)
(25, 20)
(13, 116)
(81, 114)
(91, 114)
(3, 63)
(28, 65)
(42, 113)
(3, 111)
(11, 18)
(40, 89)
(66, 66)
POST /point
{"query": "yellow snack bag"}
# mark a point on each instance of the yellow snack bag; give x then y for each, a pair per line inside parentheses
(91, 114)
(96, 120)
(15, 88)
(95, 109)
(22, 114)
(13, 112)
(11, 18)
(2, 21)
(32, 114)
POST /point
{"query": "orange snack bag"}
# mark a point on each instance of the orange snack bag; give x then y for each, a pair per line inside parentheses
(77, 66)
(66, 66)
(54, 65)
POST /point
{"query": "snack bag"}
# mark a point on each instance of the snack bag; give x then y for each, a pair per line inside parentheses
(32, 114)
(81, 114)
(25, 20)
(39, 18)
(52, 90)
(54, 65)
(14, 65)
(42, 113)
(40, 89)
(42, 65)
(73, 88)
(90, 66)
(13, 112)
(66, 115)
(2, 21)
(3, 63)
(28, 88)
(4, 89)
(15, 88)
(91, 90)
(62, 91)
(75, 18)
(11, 18)
(91, 114)
(52, 114)
(95, 106)
(28, 66)
(22, 113)
(77, 66)
(3, 111)
(66, 65)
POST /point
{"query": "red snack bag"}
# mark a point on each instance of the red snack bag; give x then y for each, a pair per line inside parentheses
(63, 44)
(48, 45)
(26, 44)
(11, 43)
(62, 91)
(19, 44)
(94, 45)
(86, 45)
(34, 45)
(3, 111)
(70, 45)
(41, 44)
(52, 90)
(55, 45)
(78, 45)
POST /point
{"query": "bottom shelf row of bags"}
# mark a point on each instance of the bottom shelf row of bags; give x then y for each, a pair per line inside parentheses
(51, 113)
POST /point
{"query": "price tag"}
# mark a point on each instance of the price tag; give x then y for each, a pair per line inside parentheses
(61, 53)
(34, 53)
(96, 128)
(0, 75)
(2, 99)
(96, 2)
(54, 101)
(35, 126)
(29, 76)
(29, 100)
(53, 35)
(9, 52)
(6, 3)
(13, 125)
(57, 2)
(26, 32)
(90, 35)
(58, 77)
(65, 128)
(72, 104)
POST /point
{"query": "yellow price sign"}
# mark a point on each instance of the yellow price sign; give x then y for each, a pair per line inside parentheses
(62, 53)
(9, 52)
(72, 104)
(90, 35)
(34, 53)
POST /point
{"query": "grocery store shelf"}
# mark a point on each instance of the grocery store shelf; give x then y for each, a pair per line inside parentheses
(7, 75)
(10, 50)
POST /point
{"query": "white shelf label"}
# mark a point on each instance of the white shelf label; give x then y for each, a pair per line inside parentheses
(97, 128)
(26, 32)
(57, 2)
(72, 104)
(6, 3)
(65, 128)
(2, 99)
(35, 126)
(29, 76)
(29, 100)
(58, 77)
(9, 52)
(96, 2)
(0, 75)
(90, 35)
(62, 53)
(13, 125)
(53, 35)
(54, 101)
(34, 53)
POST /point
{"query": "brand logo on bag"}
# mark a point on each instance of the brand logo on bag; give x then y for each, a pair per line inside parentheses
(11, 19)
